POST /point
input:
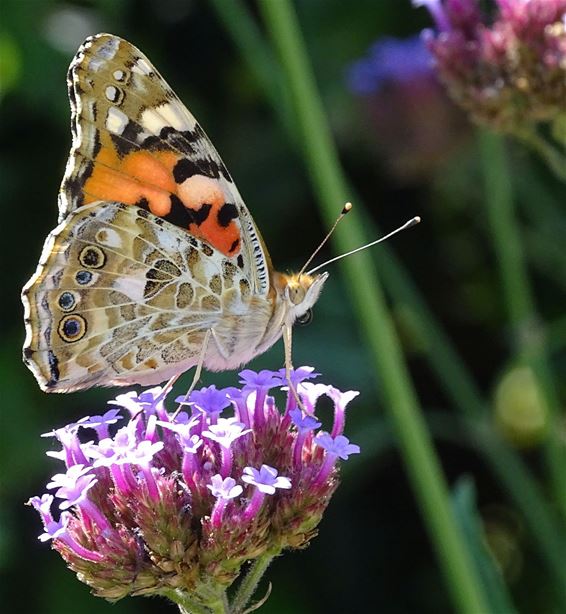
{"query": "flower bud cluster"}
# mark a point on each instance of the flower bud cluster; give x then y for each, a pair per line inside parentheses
(179, 501)
(508, 73)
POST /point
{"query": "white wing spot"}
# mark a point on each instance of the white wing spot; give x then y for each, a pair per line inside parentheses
(116, 121)
(176, 116)
(109, 48)
(142, 67)
(118, 75)
(132, 287)
(111, 93)
(152, 121)
(95, 64)
(108, 237)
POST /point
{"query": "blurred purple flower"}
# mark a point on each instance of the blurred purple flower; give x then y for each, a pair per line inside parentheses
(390, 61)
(416, 127)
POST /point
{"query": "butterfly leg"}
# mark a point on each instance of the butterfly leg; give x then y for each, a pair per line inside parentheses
(198, 369)
(166, 390)
(288, 345)
(168, 386)
(219, 346)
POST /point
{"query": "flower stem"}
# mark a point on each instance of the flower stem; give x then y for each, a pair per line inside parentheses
(249, 584)
(527, 331)
(330, 187)
(187, 605)
(555, 160)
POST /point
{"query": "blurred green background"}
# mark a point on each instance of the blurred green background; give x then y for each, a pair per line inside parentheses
(407, 152)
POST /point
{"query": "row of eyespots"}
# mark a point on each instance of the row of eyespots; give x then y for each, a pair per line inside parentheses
(72, 327)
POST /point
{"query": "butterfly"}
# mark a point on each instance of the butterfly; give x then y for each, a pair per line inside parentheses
(156, 265)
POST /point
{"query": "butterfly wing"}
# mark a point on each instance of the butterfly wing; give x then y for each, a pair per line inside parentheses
(134, 142)
(154, 239)
(134, 308)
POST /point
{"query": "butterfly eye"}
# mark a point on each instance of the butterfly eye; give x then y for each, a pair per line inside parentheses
(305, 318)
(296, 294)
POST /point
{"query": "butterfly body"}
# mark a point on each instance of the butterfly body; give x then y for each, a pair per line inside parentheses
(156, 263)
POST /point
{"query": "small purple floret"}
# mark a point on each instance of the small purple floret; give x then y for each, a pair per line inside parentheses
(298, 375)
(224, 488)
(266, 479)
(264, 380)
(210, 400)
(339, 446)
(303, 423)
(55, 529)
(225, 431)
(148, 401)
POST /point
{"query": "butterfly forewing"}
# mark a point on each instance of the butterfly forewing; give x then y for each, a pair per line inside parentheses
(135, 142)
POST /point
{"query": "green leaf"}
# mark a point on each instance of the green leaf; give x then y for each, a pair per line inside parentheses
(467, 515)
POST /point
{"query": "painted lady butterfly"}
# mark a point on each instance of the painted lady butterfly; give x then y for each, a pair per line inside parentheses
(156, 265)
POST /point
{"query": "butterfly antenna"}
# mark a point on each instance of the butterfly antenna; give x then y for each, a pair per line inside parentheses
(412, 222)
(346, 209)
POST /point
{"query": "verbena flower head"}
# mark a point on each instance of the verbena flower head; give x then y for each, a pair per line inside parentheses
(509, 71)
(149, 504)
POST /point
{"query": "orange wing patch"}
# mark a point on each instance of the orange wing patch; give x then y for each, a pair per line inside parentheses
(137, 177)
(215, 224)
(150, 179)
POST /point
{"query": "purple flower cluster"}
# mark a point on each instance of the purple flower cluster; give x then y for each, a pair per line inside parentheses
(508, 72)
(179, 501)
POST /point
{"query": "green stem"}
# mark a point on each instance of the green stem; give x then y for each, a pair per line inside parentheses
(239, 23)
(527, 331)
(557, 334)
(554, 159)
(249, 584)
(187, 605)
(416, 447)
(509, 468)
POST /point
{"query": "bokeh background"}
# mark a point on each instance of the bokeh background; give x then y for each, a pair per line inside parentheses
(408, 152)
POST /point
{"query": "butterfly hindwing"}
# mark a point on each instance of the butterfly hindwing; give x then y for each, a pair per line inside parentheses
(120, 295)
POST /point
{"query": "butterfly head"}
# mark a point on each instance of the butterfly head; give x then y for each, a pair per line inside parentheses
(298, 292)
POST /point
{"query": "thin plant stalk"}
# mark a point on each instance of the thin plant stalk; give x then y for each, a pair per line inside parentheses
(527, 331)
(187, 605)
(400, 399)
(249, 584)
(554, 159)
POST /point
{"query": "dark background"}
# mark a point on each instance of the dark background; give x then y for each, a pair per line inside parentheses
(372, 553)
